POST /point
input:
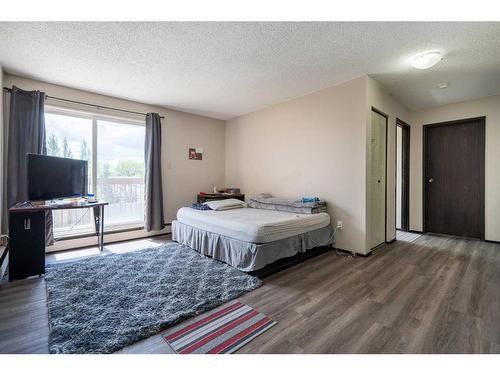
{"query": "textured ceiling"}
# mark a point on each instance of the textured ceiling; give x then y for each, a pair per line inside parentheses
(224, 70)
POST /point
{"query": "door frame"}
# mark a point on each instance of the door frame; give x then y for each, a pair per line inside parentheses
(482, 181)
(385, 171)
(405, 183)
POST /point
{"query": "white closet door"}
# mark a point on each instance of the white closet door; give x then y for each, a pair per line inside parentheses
(377, 179)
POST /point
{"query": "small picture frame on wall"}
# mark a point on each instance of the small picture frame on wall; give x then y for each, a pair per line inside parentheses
(195, 153)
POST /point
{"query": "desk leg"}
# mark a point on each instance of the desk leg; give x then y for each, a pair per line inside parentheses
(99, 226)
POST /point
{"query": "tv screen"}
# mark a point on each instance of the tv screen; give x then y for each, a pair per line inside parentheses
(50, 177)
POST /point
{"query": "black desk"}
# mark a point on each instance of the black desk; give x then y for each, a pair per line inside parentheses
(27, 234)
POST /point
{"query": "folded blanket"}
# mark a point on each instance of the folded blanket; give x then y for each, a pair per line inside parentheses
(289, 205)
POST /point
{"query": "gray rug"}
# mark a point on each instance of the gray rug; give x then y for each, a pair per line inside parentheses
(101, 304)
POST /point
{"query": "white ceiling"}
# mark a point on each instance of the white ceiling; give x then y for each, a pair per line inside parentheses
(223, 70)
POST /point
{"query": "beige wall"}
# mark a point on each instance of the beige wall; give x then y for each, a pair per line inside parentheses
(379, 98)
(182, 178)
(312, 146)
(489, 107)
(316, 145)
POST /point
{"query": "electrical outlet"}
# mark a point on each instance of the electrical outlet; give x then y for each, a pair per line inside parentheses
(340, 225)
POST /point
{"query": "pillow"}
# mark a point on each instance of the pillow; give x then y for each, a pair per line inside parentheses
(226, 204)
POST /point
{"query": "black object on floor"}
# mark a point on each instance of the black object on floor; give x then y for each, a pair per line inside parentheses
(284, 263)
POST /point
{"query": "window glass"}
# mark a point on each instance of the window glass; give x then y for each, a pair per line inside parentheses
(119, 168)
(120, 172)
(70, 137)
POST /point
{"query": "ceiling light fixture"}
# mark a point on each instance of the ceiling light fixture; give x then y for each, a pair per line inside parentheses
(443, 85)
(426, 60)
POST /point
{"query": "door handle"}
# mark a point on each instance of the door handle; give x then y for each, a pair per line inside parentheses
(27, 224)
(431, 180)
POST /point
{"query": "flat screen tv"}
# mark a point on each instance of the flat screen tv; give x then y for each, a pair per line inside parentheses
(51, 177)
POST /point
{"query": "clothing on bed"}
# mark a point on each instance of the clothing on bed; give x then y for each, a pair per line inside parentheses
(310, 199)
(289, 205)
(200, 207)
(253, 225)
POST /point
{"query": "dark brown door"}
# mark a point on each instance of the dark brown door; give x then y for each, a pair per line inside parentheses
(454, 178)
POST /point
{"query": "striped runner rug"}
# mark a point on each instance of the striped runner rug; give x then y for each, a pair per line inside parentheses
(220, 332)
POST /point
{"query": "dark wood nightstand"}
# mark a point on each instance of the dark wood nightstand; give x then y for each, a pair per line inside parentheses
(202, 198)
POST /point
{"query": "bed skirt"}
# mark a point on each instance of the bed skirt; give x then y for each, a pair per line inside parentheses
(248, 256)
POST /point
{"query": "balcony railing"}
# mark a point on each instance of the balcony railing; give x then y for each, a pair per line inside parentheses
(125, 196)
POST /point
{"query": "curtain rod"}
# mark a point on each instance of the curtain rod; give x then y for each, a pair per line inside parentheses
(88, 104)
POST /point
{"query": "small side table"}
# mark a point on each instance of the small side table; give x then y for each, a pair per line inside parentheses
(202, 198)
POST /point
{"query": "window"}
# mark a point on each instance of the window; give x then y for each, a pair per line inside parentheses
(120, 172)
(115, 152)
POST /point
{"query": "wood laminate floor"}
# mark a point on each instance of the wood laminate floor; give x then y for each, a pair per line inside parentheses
(432, 295)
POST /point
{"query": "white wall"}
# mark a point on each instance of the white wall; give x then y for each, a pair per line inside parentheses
(489, 107)
(310, 146)
(380, 99)
(182, 178)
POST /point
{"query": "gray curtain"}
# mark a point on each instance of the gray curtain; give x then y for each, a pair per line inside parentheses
(26, 135)
(154, 219)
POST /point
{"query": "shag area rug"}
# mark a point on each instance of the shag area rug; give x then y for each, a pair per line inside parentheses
(103, 303)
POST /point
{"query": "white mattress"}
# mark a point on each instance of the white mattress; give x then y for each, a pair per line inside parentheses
(253, 224)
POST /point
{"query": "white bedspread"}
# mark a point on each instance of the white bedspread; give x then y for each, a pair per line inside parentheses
(252, 224)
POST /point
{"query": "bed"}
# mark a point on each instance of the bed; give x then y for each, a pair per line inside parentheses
(251, 238)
